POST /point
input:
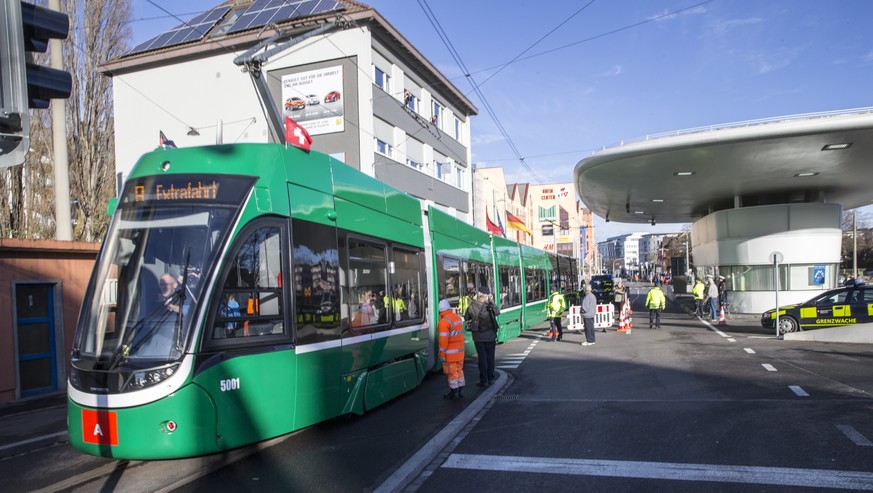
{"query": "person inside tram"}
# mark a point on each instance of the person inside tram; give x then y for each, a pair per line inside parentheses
(155, 337)
(366, 313)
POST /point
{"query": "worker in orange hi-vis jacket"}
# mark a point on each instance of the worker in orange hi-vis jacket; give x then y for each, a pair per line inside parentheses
(451, 338)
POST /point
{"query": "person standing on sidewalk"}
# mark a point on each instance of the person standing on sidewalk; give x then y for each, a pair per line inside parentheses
(555, 309)
(481, 318)
(589, 308)
(620, 294)
(722, 293)
(451, 338)
(655, 302)
(712, 293)
(699, 292)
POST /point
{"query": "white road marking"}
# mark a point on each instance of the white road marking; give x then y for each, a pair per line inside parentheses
(711, 327)
(749, 350)
(769, 367)
(855, 436)
(731, 339)
(799, 391)
(50, 436)
(781, 476)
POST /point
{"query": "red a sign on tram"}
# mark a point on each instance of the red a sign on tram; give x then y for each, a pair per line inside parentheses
(99, 427)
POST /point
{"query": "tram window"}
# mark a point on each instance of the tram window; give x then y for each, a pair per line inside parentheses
(481, 274)
(449, 280)
(251, 302)
(368, 284)
(510, 286)
(407, 279)
(535, 282)
(315, 267)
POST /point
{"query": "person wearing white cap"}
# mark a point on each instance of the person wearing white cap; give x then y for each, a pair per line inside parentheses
(451, 339)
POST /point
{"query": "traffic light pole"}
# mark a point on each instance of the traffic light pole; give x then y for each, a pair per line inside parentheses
(63, 218)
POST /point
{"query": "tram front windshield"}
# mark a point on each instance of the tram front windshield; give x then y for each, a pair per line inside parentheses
(150, 279)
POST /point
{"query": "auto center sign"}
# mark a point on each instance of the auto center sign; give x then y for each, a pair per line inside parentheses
(555, 194)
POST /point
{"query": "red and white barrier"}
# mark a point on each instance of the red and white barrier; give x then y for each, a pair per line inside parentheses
(602, 319)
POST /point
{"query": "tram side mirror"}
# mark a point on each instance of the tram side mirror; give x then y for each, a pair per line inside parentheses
(110, 207)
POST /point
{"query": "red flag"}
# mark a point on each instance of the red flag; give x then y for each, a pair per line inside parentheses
(296, 135)
(490, 226)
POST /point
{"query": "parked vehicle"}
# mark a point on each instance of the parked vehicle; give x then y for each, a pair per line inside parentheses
(603, 289)
(848, 305)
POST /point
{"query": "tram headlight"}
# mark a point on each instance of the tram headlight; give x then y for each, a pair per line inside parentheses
(147, 378)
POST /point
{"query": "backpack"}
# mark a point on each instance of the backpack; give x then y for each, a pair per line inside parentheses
(473, 323)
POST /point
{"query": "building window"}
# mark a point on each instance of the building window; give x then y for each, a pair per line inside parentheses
(414, 164)
(410, 101)
(441, 169)
(381, 79)
(548, 230)
(457, 129)
(436, 119)
(547, 213)
(384, 148)
(459, 178)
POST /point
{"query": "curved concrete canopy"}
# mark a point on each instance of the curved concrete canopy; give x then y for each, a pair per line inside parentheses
(743, 164)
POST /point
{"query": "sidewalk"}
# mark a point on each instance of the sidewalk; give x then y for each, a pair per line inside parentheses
(33, 423)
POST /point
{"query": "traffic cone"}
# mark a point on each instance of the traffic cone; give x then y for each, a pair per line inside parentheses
(721, 318)
(628, 318)
(622, 320)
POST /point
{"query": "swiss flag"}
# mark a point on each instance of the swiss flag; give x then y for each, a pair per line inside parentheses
(296, 135)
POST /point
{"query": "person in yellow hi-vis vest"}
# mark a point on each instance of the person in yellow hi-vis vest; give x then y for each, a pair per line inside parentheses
(699, 292)
(554, 309)
(451, 339)
(655, 302)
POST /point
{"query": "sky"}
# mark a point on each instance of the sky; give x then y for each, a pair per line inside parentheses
(566, 78)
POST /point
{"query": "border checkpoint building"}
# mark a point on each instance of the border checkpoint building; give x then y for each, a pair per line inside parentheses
(751, 190)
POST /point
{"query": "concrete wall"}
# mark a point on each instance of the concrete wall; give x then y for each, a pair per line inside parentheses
(803, 233)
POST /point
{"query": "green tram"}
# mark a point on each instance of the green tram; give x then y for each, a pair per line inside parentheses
(246, 291)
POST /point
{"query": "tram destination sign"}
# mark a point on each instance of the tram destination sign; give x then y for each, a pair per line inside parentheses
(211, 189)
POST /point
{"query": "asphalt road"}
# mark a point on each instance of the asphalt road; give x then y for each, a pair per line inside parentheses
(689, 407)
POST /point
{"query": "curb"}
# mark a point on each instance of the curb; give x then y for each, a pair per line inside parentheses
(409, 471)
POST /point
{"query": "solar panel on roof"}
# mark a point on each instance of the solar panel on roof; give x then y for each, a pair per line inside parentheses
(192, 30)
(264, 12)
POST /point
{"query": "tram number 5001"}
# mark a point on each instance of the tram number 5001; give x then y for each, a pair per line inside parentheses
(229, 384)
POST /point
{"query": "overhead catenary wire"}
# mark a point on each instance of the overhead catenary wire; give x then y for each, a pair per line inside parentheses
(448, 44)
(468, 74)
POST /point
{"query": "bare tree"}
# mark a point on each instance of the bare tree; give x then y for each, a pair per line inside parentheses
(99, 30)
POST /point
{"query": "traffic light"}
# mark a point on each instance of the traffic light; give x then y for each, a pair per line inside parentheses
(23, 85)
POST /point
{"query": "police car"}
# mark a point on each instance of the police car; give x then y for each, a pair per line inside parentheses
(849, 305)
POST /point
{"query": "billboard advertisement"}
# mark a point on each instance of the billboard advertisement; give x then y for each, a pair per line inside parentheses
(314, 99)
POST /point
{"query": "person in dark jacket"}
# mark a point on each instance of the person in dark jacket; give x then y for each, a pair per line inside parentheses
(589, 308)
(483, 310)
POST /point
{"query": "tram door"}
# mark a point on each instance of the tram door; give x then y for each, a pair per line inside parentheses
(35, 339)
